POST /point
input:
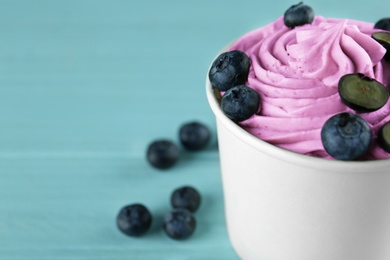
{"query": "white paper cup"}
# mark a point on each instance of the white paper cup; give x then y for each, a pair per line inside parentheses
(281, 205)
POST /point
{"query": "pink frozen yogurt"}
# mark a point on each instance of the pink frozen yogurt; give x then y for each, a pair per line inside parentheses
(296, 72)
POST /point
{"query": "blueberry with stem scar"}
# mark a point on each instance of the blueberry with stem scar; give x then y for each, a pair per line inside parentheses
(346, 136)
(384, 137)
(229, 69)
(362, 93)
(134, 220)
(240, 103)
(298, 15)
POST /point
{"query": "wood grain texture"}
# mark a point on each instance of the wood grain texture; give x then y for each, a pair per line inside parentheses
(85, 86)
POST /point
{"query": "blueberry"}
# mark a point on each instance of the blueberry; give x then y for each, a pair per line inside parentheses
(384, 137)
(383, 24)
(362, 93)
(186, 197)
(298, 15)
(240, 103)
(229, 69)
(134, 220)
(162, 154)
(346, 136)
(194, 136)
(384, 39)
(179, 224)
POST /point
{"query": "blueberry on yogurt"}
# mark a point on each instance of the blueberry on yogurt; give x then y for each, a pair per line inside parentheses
(362, 93)
(346, 136)
(298, 15)
(229, 69)
(383, 24)
(384, 137)
(240, 102)
(384, 39)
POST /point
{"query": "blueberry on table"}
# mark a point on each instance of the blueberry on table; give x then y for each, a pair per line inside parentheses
(229, 69)
(384, 137)
(384, 39)
(162, 154)
(346, 136)
(179, 224)
(194, 136)
(383, 24)
(240, 102)
(362, 93)
(186, 197)
(298, 15)
(134, 220)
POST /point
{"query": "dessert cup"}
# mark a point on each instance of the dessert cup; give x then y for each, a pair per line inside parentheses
(282, 205)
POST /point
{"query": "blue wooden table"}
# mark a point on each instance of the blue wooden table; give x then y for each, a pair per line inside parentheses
(85, 86)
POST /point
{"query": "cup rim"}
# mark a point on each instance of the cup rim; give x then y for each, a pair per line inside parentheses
(283, 154)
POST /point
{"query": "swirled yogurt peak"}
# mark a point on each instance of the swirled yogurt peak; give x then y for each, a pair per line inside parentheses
(296, 73)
